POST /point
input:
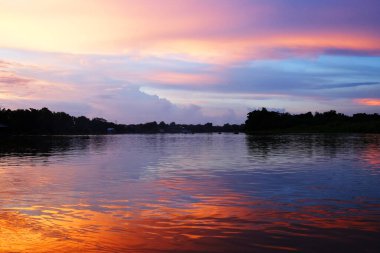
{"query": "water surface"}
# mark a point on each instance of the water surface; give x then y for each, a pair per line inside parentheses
(190, 193)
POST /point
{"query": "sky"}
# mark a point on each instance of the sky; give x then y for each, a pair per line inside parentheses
(189, 61)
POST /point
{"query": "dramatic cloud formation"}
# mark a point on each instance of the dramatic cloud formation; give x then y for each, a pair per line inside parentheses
(189, 61)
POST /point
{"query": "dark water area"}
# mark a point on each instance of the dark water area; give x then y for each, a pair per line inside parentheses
(190, 193)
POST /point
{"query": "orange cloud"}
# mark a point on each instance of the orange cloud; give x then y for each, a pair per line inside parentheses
(368, 101)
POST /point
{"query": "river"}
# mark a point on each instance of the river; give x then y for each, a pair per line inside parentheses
(190, 193)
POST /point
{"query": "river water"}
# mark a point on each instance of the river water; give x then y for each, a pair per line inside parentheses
(190, 193)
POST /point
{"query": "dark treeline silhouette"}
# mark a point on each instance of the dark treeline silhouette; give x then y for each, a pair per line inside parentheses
(43, 121)
(162, 127)
(260, 121)
(33, 121)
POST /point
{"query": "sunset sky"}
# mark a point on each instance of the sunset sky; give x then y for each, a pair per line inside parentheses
(189, 61)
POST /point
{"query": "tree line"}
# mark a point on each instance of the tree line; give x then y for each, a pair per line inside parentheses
(331, 121)
(44, 121)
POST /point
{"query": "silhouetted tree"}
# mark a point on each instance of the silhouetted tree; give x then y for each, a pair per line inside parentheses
(331, 121)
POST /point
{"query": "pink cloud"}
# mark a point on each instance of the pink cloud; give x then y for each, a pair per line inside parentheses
(175, 78)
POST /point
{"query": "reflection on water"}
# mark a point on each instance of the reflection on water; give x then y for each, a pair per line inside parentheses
(190, 193)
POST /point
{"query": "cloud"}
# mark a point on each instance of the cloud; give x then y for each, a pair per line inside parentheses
(130, 105)
(351, 51)
(368, 101)
(345, 85)
(139, 89)
(4, 64)
(216, 31)
(91, 92)
(182, 79)
(13, 80)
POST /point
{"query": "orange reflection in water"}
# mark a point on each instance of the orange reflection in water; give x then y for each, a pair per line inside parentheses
(174, 214)
(212, 224)
(209, 219)
(154, 227)
(372, 155)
